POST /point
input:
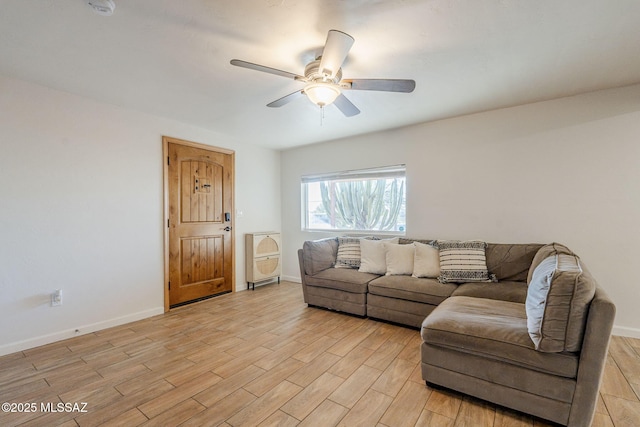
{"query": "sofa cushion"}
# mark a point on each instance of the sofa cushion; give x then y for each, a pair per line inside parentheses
(503, 291)
(335, 299)
(510, 261)
(409, 288)
(426, 261)
(397, 305)
(469, 371)
(544, 252)
(396, 310)
(348, 298)
(399, 259)
(495, 330)
(557, 303)
(348, 252)
(373, 255)
(462, 262)
(344, 279)
(319, 255)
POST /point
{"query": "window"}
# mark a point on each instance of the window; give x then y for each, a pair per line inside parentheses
(370, 200)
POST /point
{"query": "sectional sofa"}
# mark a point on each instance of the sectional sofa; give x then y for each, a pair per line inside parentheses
(521, 325)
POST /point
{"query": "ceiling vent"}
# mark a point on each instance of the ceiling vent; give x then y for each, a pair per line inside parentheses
(102, 7)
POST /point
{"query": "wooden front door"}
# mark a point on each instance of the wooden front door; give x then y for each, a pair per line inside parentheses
(200, 199)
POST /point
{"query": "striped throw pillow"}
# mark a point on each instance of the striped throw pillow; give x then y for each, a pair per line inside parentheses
(462, 262)
(348, 252)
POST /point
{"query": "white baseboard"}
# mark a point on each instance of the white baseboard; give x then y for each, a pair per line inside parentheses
(626, 331)
(294, 279)
(77, 331)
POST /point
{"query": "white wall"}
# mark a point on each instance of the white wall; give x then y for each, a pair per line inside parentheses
(564, 170)
(81, 209)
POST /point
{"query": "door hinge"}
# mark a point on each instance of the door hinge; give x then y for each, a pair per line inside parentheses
(169, 285)
(167, 223)
(168, 160)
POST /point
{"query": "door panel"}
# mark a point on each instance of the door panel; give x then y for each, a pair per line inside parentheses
(201, 195)
(201, 259)
(200, 191)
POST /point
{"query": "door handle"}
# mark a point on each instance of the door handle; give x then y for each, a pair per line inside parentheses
(227, 228)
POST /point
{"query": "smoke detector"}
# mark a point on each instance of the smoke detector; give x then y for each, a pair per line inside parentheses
(102, 7)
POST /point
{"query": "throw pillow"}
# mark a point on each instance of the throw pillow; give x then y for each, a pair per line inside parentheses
(557, 303)
(373, 255)
(407, 241)
(462, 262)
(426, 261)
(399, 259)
(348, 252)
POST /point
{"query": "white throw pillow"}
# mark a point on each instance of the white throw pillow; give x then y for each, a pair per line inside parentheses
(399, 259)
(373, 256)
(426, 262)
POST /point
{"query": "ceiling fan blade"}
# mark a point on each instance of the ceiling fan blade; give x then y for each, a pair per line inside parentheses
(264, 69)
(286, 99)
(346, 106)
(387, 85)
(335, 51)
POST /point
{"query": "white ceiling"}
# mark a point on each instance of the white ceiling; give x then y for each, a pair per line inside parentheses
(171, 58)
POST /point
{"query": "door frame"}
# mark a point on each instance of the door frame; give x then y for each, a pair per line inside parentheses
(165, 161)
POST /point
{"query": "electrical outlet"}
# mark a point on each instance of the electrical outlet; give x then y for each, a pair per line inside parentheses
(56, 298)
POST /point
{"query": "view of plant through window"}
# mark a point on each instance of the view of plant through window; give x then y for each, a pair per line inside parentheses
(364, 200)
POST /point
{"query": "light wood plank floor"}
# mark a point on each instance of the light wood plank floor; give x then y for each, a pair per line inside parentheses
(262, 358)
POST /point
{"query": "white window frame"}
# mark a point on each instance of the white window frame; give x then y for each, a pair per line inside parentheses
(395, 171)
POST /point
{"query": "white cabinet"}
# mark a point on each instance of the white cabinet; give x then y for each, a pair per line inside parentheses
(263, 256)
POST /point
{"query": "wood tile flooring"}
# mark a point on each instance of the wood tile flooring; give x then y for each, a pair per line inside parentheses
(262, 358)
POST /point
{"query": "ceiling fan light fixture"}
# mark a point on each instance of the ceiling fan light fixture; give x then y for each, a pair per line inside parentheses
(321, 94)
(323, 77)
(102, 7)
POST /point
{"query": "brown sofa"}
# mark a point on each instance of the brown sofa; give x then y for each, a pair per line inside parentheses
(475, 335)
(404, 299)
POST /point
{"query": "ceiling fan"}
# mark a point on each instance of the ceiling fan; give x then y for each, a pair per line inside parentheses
(323, 77)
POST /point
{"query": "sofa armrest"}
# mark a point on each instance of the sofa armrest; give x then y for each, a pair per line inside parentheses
(302, 273)
(593, 357)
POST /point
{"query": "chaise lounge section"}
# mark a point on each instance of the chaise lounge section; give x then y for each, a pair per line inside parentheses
(481, 348)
